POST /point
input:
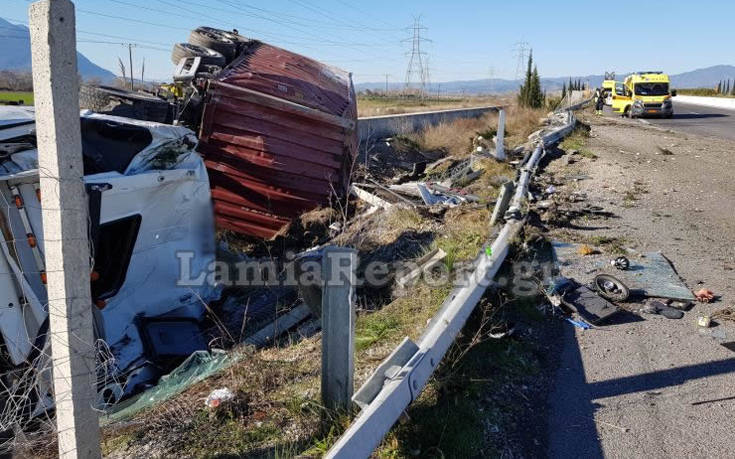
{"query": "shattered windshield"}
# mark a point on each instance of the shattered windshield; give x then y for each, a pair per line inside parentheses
(652, 89)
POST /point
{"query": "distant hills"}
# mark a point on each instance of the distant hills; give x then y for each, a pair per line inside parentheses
(16, 53)
(700, 78)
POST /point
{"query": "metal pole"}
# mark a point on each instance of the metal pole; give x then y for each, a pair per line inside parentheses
(65, 230)
(338, 327)
(130, 54)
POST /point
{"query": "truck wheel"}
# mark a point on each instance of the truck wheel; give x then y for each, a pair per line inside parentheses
(209, 56)
(115, 101)
(218, 40)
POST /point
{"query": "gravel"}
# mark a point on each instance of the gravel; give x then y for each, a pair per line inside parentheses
(626, 389)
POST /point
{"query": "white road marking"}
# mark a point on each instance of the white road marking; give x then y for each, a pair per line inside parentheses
(694, 113)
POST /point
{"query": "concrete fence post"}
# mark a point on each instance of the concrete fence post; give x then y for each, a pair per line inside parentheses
(499, 145)
(64, 214)
(338, 327)
(501, 205)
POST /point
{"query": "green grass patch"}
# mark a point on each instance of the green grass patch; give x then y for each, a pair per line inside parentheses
(577, 140)
(25, 97)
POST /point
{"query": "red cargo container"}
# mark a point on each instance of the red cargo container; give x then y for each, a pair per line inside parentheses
(278, 136)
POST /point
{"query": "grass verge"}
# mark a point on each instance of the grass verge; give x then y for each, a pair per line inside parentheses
(26, 98)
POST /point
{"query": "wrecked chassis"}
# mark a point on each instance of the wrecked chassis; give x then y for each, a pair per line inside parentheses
(149, 201)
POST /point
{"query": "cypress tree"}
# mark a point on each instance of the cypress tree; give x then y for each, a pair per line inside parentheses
(719, 87)
(564, 90)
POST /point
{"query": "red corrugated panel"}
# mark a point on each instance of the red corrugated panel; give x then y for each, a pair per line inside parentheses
(278, 136)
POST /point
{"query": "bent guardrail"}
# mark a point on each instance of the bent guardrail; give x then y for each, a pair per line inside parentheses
(401, 377)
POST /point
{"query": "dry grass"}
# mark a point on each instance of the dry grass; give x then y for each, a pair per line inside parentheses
(455, 137)
(393, 105)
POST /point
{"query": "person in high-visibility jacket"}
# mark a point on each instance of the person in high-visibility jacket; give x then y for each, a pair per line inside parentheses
(599, 101)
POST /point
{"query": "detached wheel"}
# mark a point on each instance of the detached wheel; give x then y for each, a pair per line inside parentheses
(116, 101)
(209, 56)
(218, 40)
(611, 288)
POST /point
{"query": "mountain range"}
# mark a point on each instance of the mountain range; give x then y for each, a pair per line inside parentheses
(16, 53)
(701, 78)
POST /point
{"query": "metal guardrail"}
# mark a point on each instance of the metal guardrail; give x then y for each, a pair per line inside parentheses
(401, 377)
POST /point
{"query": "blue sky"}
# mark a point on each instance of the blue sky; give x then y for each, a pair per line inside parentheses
(470, 38)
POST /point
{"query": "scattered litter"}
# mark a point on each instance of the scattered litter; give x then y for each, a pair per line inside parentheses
(588, 304)
(730, 345)
(433, 194)
(219, 396)
(724, 314)
(547, 204)
(370, 198)
(551, 189)
(579, 323)
(681, 305)
(704, 295)
(704, 321)
(650, 273)
(665, 151)
(585, 249)
(621, 263)
(501, 331)
(657, 307)
(610, 287)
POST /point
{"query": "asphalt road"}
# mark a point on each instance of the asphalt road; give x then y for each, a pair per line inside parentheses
(641, 385)
(696, 119)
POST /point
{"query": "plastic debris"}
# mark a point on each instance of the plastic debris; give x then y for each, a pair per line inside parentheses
(579, 323)
(704, 295)
(218, 397)
(704, 321)
(585, 249)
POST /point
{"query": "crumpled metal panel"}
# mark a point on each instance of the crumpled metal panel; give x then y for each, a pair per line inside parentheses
(278, 135)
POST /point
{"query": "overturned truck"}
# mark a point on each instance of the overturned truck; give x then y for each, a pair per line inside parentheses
(277, 130)
(248, 134)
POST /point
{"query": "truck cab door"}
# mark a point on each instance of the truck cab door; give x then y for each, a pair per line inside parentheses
(620, 98)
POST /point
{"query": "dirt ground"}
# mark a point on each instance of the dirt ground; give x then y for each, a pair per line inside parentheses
(644, 385)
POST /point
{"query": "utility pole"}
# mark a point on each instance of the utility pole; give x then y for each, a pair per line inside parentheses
(386, 82)
(65, 226)
(415, 62)
(130, 54)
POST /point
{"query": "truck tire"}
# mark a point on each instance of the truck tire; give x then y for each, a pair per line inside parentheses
(120, 102)
(209, 56)
(218, 40)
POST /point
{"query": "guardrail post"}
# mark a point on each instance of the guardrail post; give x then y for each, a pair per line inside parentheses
(338, 327)
(499, 144)
(501, 205)
(65, 230)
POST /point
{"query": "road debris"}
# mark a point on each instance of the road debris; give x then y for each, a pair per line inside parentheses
(588, 304)
(610, 287)
(621, 263)
(658, 307)
(704, 321)
(727, 314)
(704, 295)
(218, 396)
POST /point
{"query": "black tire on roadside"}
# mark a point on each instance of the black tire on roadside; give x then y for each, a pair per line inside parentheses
(218, 40)
(120, 102)
(209, 56)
